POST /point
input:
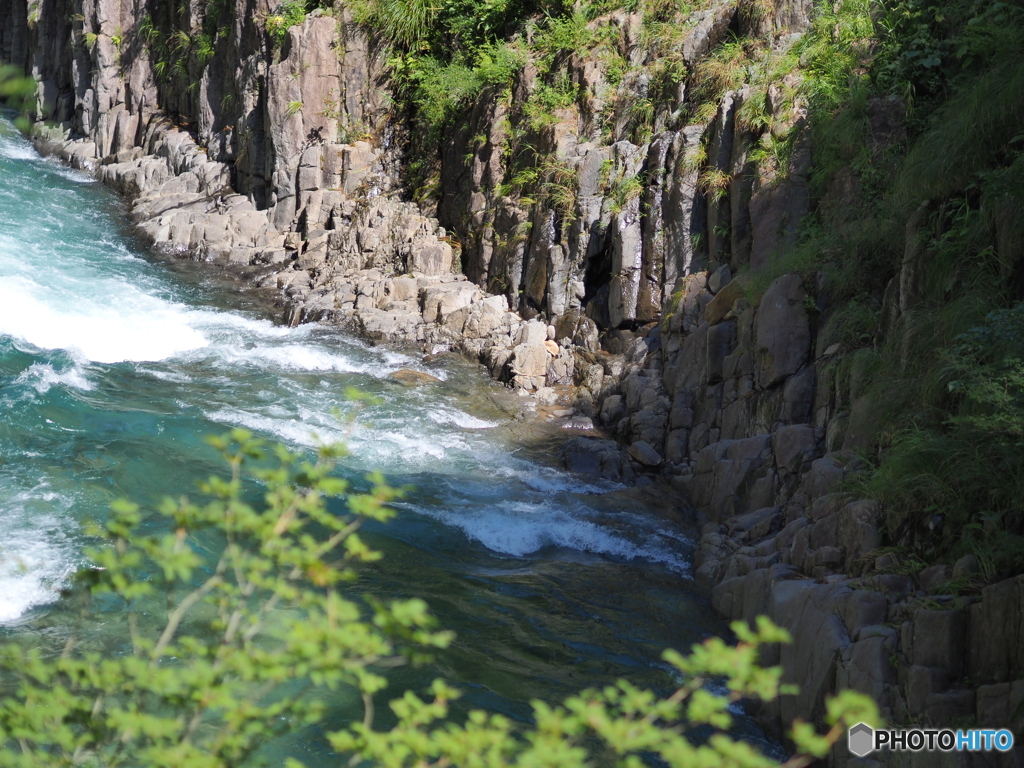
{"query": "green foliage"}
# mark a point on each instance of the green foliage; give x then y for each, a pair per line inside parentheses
(620, 725)
(964, 476)
(836, 86)
(945, 83)
(475, 23)
(667, 73)
(976, 129)
(547, 100)
(624, 190)
(439, 90)
(219, 655)
(444, 55)
(714, 183)
(204, 49)
(349, 133)
(615, 66)
(558, 188)
(927, 45)
(853, 325)
(442, 29)
(497, 63)
(833, 54)
(914, 48)
(180, 43)
(285, 16)
(562, 35)
(547, 180)
(402, 23)
(986, 365)
(17, 92)
(774, 69)
(724, 69)
(641, 114)
(521, 181)
(147, 30)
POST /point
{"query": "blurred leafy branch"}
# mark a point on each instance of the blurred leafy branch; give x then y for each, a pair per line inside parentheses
(17, 92)
(217, 654)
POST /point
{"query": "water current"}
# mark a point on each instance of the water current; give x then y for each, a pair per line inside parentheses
(114, 366)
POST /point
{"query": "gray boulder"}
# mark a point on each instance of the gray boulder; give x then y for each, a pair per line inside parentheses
(643, 453)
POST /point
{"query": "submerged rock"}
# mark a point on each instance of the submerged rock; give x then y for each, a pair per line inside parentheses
(593, 456)
(410, 378)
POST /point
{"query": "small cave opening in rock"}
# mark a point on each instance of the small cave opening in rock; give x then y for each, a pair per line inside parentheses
(597, 277)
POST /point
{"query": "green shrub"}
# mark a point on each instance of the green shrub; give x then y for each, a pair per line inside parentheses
(284, 17)
(546, 100)
(568, 34)
(558, 188)
(212, 644)
(944, 392)
(974, 131)
(444, 29)
(956, 485)
(440, 90)
(216, 656)
(623, 191)
(722, 70)
(204, 48)
(498, 63)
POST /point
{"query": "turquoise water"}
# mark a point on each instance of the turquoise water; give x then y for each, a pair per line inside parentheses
(114, 366)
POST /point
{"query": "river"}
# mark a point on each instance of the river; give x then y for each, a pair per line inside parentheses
(115, 364)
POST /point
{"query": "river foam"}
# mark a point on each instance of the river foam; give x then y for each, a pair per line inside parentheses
(36, 555)
(42, 376)
(109, 324)
(521, 528)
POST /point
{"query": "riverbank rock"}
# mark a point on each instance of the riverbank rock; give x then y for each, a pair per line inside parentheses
(644, 453)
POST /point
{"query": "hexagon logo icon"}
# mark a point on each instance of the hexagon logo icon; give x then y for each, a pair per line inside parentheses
(861, 739)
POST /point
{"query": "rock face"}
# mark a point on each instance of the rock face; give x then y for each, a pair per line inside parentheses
(874, 631)
(783, 331)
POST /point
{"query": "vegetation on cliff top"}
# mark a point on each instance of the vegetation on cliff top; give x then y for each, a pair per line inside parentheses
(220, 651)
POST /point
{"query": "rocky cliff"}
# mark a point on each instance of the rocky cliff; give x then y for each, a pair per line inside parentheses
(693, 225)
